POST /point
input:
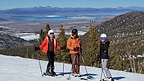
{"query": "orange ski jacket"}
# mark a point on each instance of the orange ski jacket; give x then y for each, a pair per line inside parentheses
(73, 44)
(44, 45)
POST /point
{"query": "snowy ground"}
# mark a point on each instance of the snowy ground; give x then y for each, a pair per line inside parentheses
(22, 69)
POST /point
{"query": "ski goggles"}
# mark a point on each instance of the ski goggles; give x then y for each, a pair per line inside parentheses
(103, 39)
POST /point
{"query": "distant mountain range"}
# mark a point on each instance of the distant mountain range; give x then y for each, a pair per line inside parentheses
(1, 19)
(68, 11)
(55, 13)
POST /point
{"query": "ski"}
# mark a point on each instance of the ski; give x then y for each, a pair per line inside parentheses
(107, 80)
(86, 78)
(46, 74)
(82, 77)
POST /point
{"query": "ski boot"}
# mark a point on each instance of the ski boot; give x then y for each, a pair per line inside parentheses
(47, 73)
(76, 75)
(52, 72)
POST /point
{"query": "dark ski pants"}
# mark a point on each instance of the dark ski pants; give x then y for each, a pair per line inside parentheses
(50, 64)
(75, 59)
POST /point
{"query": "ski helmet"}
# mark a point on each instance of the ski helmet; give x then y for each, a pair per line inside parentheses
(74, 31)
(50, 32)
(103, 37)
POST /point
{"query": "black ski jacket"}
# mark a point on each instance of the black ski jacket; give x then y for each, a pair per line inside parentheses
(104, 50)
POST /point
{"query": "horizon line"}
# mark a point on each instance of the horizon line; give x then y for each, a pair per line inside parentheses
(72, 7)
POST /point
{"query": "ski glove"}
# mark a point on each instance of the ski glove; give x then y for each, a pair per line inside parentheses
(76, 49)
(37, 48)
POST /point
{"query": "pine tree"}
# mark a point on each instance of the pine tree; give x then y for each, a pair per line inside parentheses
(90, 47)
(47, 27)
(44, 32)
(62, 37)
(62, 40)
(41, 35)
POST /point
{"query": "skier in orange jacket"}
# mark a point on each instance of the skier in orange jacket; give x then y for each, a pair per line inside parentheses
(48, 46)
(73, 44)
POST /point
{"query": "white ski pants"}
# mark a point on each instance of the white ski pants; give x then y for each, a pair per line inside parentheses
(105, 70)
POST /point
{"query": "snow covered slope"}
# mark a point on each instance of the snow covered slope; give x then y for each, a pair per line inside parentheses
(22, 69)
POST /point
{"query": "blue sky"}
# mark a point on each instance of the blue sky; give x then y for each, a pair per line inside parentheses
(8, 4)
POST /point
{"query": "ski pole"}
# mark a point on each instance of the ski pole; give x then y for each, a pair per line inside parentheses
(88, 76)
(101, 74)
(40, 66)
(83, 60)
(39, 59)
(63, 69)
(84, 63)
(69, 77)
(84, 66)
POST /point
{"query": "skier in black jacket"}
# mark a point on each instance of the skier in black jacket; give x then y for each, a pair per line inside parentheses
(104, 45)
